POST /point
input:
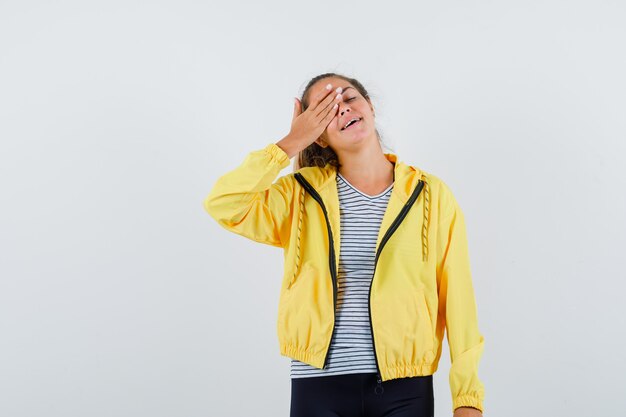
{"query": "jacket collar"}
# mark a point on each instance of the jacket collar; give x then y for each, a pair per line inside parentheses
(406, 177)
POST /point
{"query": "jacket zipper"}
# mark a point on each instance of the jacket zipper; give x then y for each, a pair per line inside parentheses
(396, 223)
(331, 257)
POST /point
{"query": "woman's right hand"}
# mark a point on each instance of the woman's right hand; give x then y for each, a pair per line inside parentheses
(309, 125)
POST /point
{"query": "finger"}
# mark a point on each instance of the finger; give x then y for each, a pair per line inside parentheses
(332, 116)
(326, 105)
(322, 96)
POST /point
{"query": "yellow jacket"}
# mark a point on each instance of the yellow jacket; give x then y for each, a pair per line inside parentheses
(422, 281)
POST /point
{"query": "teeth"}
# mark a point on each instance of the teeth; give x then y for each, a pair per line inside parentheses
(356, 118)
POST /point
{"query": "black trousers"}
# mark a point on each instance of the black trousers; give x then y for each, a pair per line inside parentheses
(357, 395)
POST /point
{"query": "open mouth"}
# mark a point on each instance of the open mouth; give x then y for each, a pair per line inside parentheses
(352, 122)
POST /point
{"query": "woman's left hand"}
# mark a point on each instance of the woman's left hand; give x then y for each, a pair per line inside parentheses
(467, 412)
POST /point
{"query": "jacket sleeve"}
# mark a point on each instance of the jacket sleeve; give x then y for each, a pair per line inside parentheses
(247, 202)
(458, 305)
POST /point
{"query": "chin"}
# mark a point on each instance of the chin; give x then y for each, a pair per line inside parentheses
(352, 141)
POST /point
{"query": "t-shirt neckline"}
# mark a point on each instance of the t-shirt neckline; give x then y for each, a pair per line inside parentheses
(361, 192)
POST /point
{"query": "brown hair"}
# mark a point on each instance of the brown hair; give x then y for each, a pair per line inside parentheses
(314, 154)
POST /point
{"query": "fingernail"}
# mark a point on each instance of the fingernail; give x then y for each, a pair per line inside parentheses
(338, 89)
(328, 86)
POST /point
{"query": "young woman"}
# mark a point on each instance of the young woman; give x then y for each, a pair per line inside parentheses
(376, 262)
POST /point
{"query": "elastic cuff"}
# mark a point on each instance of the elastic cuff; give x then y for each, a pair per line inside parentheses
(277, 153)
(467, 400)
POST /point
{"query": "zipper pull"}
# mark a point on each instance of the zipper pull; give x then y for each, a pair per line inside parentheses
(379, 387)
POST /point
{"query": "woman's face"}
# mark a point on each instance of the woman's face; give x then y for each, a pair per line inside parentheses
(352, 105)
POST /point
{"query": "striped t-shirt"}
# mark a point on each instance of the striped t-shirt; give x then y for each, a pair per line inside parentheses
(351, 349)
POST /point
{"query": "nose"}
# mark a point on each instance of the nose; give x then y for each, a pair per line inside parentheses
(343, 111)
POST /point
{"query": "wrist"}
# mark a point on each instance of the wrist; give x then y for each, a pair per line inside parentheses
(289, 146)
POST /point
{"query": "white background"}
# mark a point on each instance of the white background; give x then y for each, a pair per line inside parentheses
(120, 296)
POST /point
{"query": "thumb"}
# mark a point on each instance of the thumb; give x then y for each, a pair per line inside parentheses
(296, 108)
